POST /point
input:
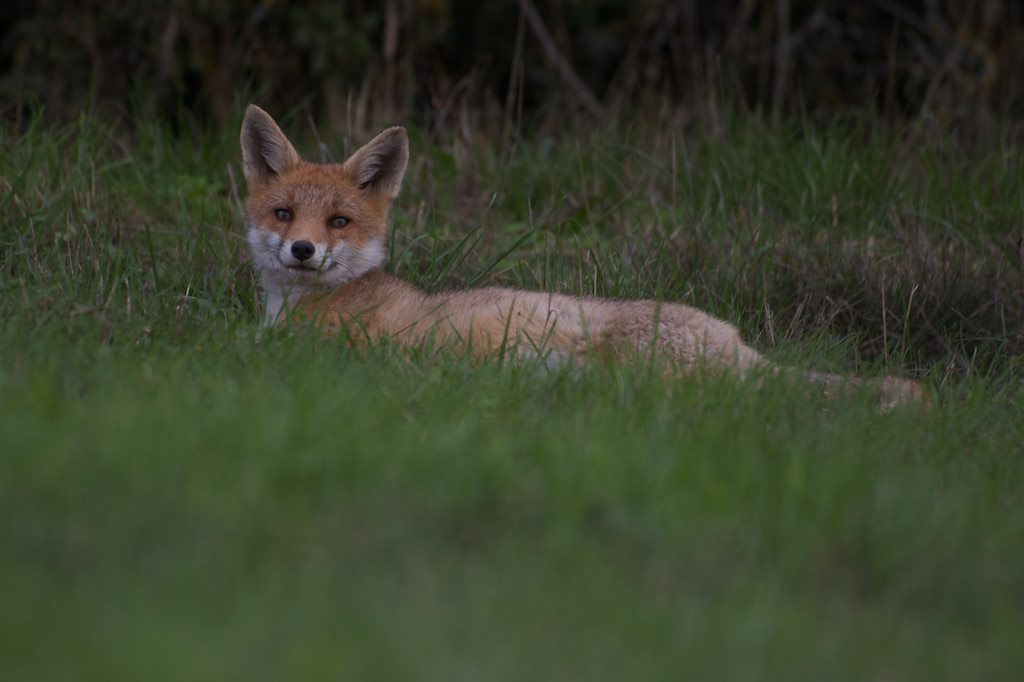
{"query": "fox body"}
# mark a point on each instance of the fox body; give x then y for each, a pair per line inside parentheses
(318, 233)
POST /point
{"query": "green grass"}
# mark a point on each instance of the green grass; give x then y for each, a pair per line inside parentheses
(186, 496)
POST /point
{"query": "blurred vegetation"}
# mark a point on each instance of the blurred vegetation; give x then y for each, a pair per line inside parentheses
(953, 62)
(185, 492)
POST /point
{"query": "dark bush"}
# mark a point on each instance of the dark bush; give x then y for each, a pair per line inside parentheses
(950, 61)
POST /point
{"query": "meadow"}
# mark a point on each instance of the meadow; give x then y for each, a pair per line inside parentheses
(185, 494)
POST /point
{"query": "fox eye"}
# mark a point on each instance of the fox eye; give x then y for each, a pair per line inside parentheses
(339, 221)
(283, 214)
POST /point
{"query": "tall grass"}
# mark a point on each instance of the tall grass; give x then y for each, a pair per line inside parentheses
(186, 494)
(911, 253)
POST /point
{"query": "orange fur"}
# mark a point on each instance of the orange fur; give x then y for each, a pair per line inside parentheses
(317, 270)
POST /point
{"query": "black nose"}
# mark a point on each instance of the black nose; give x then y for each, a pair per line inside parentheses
(303, 250)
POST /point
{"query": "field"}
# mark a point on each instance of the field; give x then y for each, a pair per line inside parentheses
(187, 495)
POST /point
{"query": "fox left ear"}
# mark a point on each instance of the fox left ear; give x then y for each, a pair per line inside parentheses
(266, 152)
(380, 164)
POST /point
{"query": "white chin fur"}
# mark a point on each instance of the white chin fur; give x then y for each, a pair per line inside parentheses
(272, 257)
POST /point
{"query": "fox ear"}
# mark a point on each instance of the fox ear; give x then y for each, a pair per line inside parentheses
(380, 164)
(266, 152)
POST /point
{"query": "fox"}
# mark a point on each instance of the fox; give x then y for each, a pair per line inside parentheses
(317, 233)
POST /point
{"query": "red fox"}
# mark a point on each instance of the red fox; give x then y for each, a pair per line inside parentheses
(317, 234)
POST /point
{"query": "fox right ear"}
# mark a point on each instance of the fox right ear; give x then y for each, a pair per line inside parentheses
(266, 152)
(380, 164)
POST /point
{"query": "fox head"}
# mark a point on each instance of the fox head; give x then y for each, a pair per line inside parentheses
(317, 225)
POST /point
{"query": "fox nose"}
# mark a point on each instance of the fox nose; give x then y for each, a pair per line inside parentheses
(303, 250)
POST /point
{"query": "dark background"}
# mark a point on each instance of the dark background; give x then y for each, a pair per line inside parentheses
(955, 62)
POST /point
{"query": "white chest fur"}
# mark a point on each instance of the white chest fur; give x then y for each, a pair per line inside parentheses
(280, 298)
